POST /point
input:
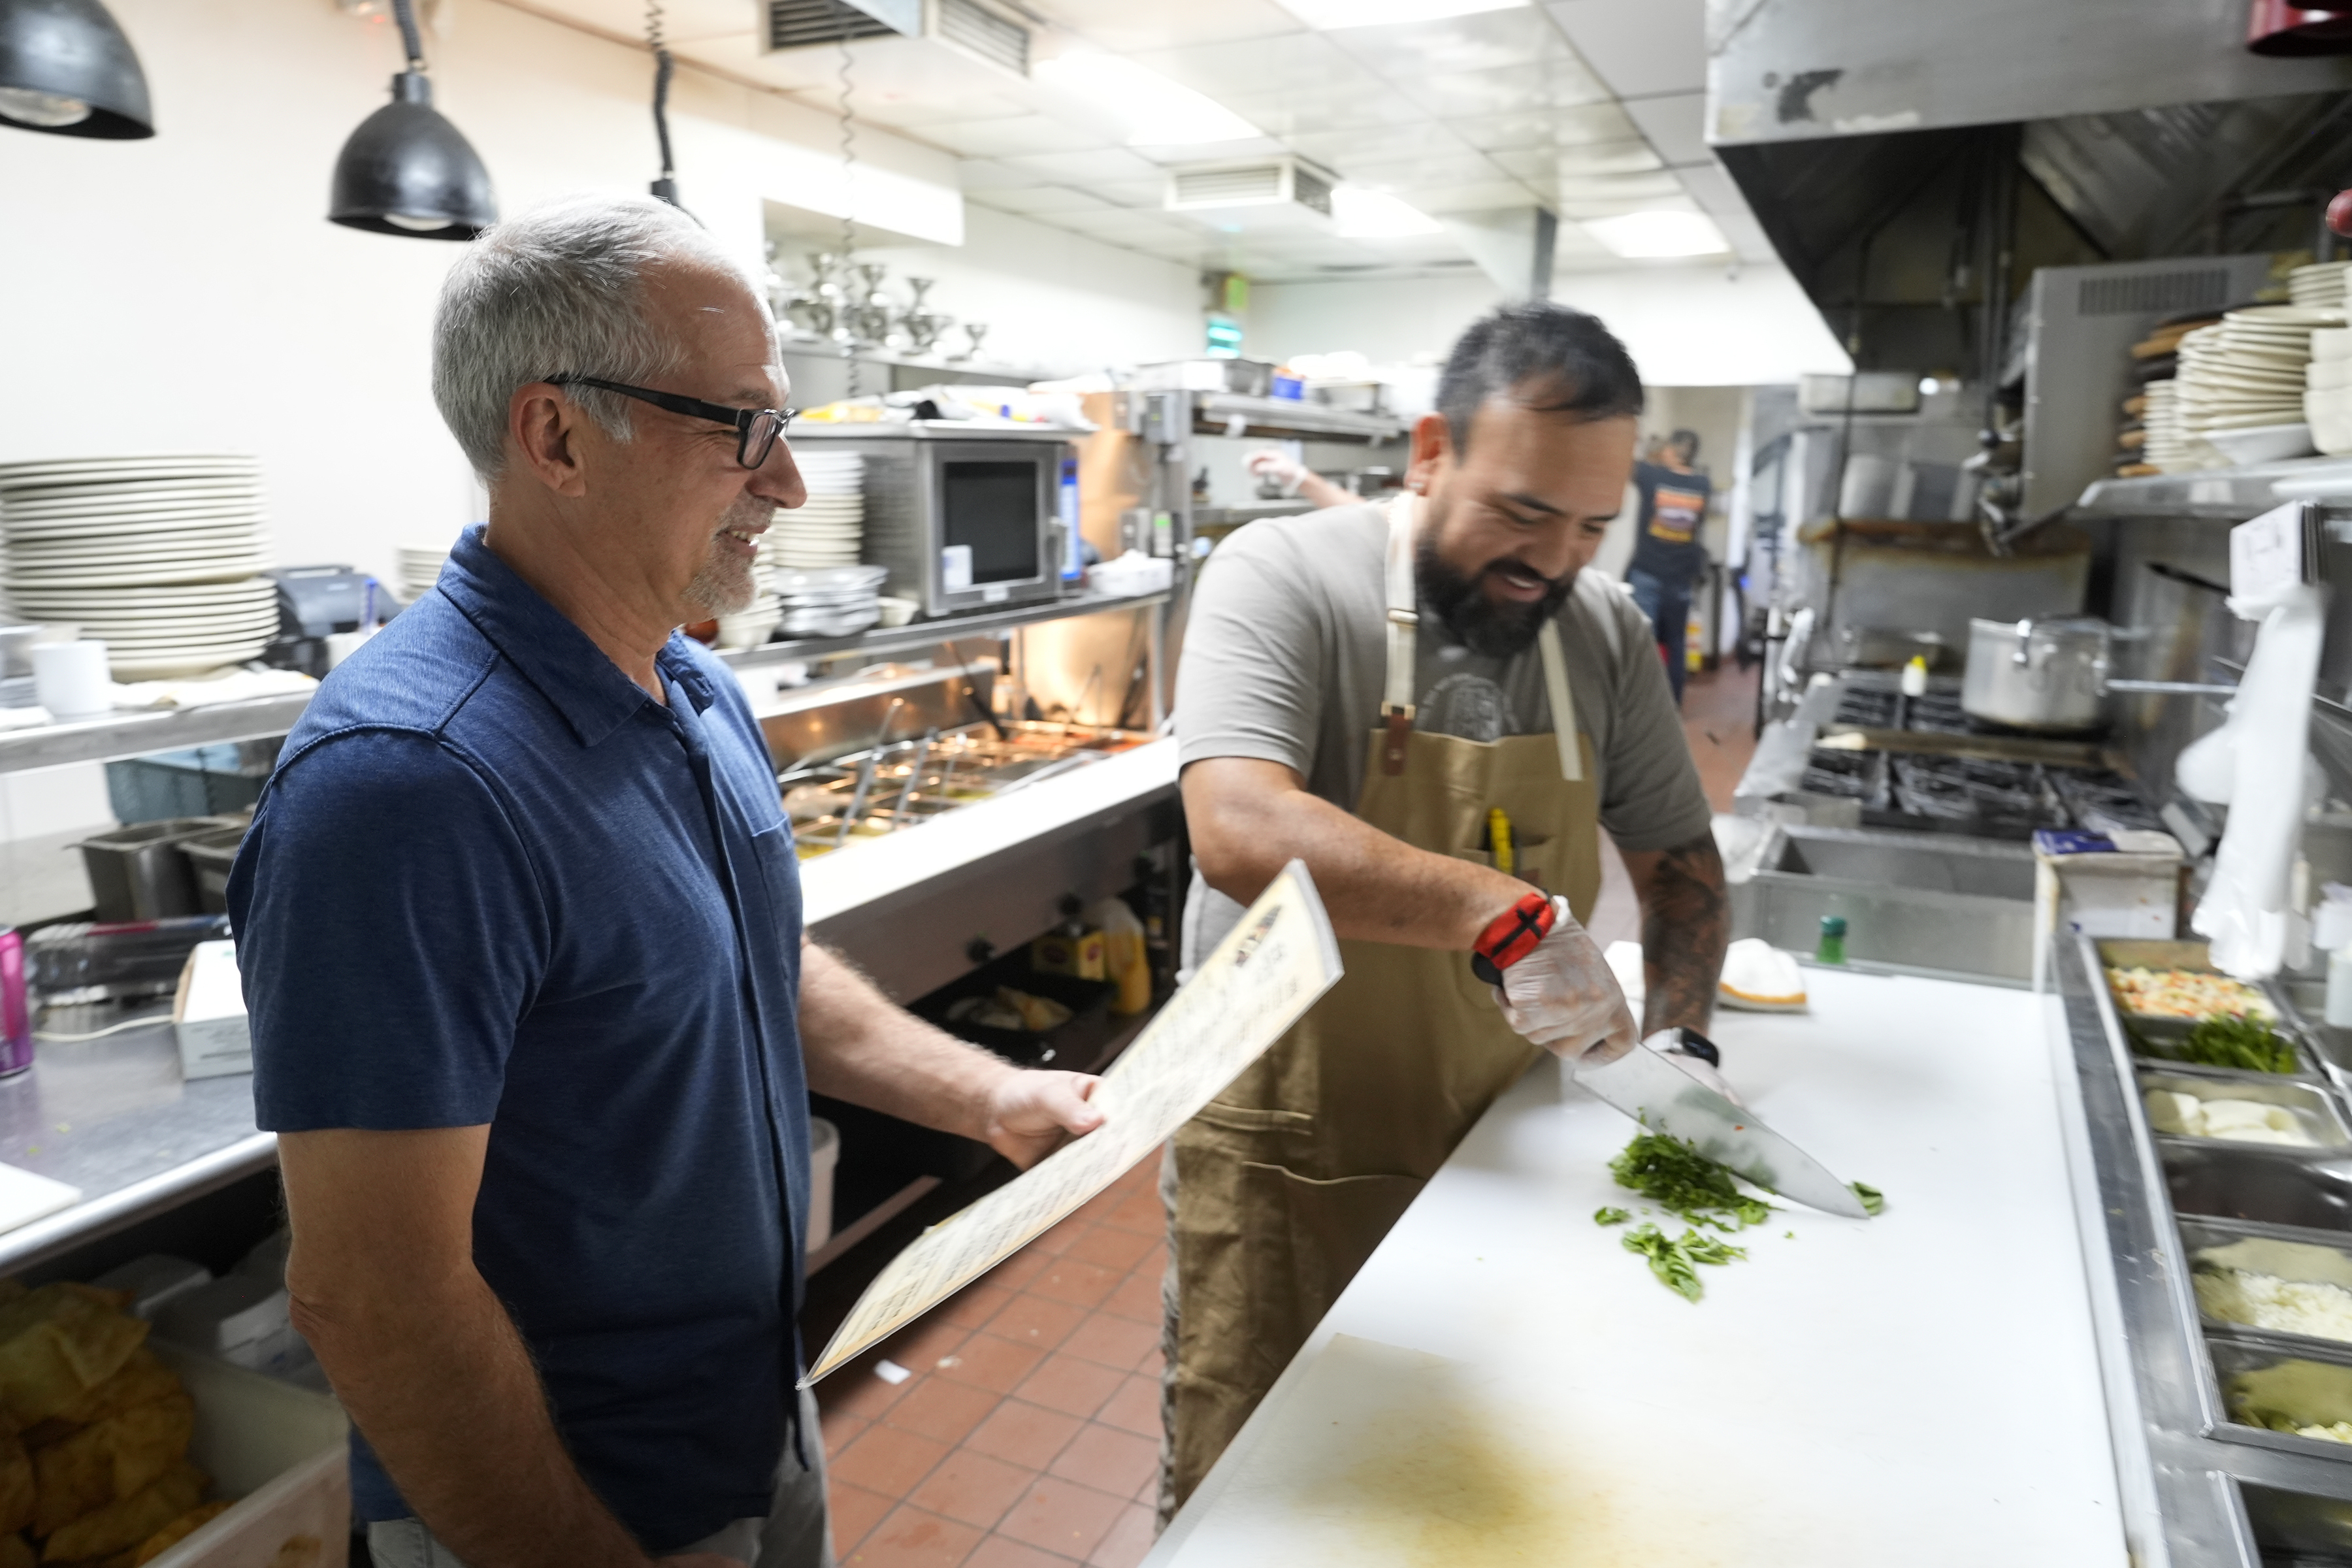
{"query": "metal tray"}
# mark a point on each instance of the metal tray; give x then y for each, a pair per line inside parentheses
(2301, 1382)
(2150, 1037)
(2312, 1106)
(2251, 1182)
(2286, 1251)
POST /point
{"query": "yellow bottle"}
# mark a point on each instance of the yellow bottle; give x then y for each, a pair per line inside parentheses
(1127, 961)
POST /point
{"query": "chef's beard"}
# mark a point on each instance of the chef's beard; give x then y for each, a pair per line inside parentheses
(726, 584)
(1486, 627)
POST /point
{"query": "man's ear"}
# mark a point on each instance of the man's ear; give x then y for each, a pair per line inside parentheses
(1433, 442)
(544, 435)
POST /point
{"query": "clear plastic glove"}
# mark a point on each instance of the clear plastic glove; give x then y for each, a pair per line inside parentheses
(1279, 467)
(1667, 1043)
(1563, 997)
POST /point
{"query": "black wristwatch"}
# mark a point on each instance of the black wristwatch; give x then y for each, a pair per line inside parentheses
(1683, 1040)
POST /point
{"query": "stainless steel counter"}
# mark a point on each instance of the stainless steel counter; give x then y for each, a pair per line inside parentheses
(2191, 1497)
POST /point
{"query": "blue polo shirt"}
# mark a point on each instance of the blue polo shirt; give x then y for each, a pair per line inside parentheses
(494, 881)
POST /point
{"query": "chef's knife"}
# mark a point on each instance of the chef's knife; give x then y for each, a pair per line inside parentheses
(1648, 1087)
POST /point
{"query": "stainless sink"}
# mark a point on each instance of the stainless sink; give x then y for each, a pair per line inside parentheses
(1918, 903)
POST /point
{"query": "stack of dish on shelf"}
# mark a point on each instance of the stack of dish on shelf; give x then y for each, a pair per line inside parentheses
(2318, 287)
(2328, 400)
(2168, 448)
(829, 530)
(829, 601)
(2152, 438)
(2242, 381)
(419, 567)
(156, 556)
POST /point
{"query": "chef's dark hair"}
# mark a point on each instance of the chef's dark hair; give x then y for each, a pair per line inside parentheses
(1549, 357)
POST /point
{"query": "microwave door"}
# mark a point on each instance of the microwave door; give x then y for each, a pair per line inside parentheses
(991, 525)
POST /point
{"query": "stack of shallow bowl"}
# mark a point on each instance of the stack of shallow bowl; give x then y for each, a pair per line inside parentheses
(419, 568)
(830, 601)
(2327, 402)
(2242, 381)
(829, 530)
(157, 556)
(2318, 287)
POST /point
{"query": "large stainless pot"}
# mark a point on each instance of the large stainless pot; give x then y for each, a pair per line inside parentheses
(2038, 675)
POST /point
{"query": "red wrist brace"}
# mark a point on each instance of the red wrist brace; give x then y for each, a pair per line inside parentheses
(1514, 934)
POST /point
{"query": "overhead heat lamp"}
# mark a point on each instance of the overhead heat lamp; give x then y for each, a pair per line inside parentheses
(406, 169)
(66, 68)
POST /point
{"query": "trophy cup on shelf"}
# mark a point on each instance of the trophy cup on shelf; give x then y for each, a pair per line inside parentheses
(976, 332)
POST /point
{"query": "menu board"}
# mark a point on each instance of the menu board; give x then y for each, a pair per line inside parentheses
(1267, 972)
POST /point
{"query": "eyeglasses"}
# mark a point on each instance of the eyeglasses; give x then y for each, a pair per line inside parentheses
(756, 429)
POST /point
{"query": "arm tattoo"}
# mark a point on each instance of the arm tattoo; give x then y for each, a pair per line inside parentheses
(1686, 925)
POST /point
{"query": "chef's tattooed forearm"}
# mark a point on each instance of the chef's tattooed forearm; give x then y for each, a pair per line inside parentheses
(1686, 923)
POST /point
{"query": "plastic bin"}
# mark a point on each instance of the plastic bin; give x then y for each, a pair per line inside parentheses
(282, 1451)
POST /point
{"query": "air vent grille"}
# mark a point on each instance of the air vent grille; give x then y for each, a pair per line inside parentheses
(983, 32)
(1309, 189)
(2203, 289)
(804, 23)
(1231, 187)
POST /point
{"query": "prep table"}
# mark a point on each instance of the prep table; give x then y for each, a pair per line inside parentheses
(1505, 1383)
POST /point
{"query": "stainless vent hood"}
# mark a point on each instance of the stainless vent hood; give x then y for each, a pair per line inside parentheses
(1901, 153)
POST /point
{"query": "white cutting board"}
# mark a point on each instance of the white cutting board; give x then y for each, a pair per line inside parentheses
(1503, 1384)
(26, 1197)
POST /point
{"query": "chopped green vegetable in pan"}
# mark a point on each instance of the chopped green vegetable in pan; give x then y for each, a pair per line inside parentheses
(2246, 1044)
(1607, 1216)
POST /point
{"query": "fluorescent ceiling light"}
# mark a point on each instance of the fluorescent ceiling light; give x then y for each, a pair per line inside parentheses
(1658, 232)
(1376, 214)
(1154, 110)
(1333, 15)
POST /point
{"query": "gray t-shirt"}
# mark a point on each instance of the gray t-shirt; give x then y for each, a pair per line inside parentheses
(1286, 653)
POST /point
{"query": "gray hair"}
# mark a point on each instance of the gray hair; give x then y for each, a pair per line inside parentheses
(560, 291)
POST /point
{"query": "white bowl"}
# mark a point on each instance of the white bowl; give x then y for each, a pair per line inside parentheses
(2262, 443)
(895, 612)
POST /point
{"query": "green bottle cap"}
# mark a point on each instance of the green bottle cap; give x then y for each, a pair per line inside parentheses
(1833, 925)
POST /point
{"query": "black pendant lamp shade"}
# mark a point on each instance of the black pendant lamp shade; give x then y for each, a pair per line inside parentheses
(406, 169)
(65, 68)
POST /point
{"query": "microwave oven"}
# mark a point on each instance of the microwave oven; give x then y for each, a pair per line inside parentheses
(965, 518)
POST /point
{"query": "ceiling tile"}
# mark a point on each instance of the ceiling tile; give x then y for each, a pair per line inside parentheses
(1127, 27)
(991, 174)
(1148, 195)
(1087, 168)
(1656, 47)
(1042, 199)
(1438, 171)
(1011, 137)
(1660, 186)
(1314, 108)
(1675, 125)
(1479, 196)
(1547, 165)
(1592, 199)
(1712, 185)
(1345, 151)
(1203, 152)
(1260, 68)
(1505, 90)
(683, 20)
(1485, 41)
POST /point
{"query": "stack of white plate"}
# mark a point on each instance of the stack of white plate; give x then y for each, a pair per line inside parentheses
(419, 567)
(2170, 447)
(2246, 374)
(829, 601)
(2318, 287)
(156, 556)
(2329, 402)
(830, 529)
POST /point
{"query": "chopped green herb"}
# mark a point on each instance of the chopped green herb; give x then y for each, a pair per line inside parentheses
(1675, 1176)
(1789, 1234)
(1606, 1216)
(2247, 1045)
(1674, 1260)
(1872, 1200)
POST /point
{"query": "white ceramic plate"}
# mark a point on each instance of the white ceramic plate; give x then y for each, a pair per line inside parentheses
(21, 576)
(176, 634)
(196, 462)
(207, 596)
(79, 529)
(165, 666)
(150, 547)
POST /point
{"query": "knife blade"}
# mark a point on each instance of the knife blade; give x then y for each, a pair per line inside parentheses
(1650, 1089)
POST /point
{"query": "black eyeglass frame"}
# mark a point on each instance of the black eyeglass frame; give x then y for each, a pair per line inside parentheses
(746, 421)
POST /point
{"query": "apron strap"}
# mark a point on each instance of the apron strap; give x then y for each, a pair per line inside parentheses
(1563, 703)
(1396, 696)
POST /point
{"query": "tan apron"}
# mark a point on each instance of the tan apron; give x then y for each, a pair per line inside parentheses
(1283, 1185)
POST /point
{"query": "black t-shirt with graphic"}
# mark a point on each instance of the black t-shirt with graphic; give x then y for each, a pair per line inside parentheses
(1673, 506)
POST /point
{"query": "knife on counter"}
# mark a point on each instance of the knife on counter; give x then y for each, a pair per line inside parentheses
(1647, 1086)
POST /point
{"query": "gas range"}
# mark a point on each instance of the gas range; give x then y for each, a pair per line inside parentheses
(1986, 796)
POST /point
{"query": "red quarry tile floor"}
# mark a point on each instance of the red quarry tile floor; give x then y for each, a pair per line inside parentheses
(1028, 1436)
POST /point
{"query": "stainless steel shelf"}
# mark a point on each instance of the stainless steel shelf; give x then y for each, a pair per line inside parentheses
(2235, 494)
(951, 629)
(1213, 413)
(1012, 375)
(130, 734)
(140, 734)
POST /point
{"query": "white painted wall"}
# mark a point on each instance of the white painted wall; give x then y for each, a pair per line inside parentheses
(187, 293)
(1686, 326)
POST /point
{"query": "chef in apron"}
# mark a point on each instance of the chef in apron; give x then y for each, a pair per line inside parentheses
(1437, 710)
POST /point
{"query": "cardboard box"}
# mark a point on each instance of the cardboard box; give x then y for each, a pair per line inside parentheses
(209, 1014)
